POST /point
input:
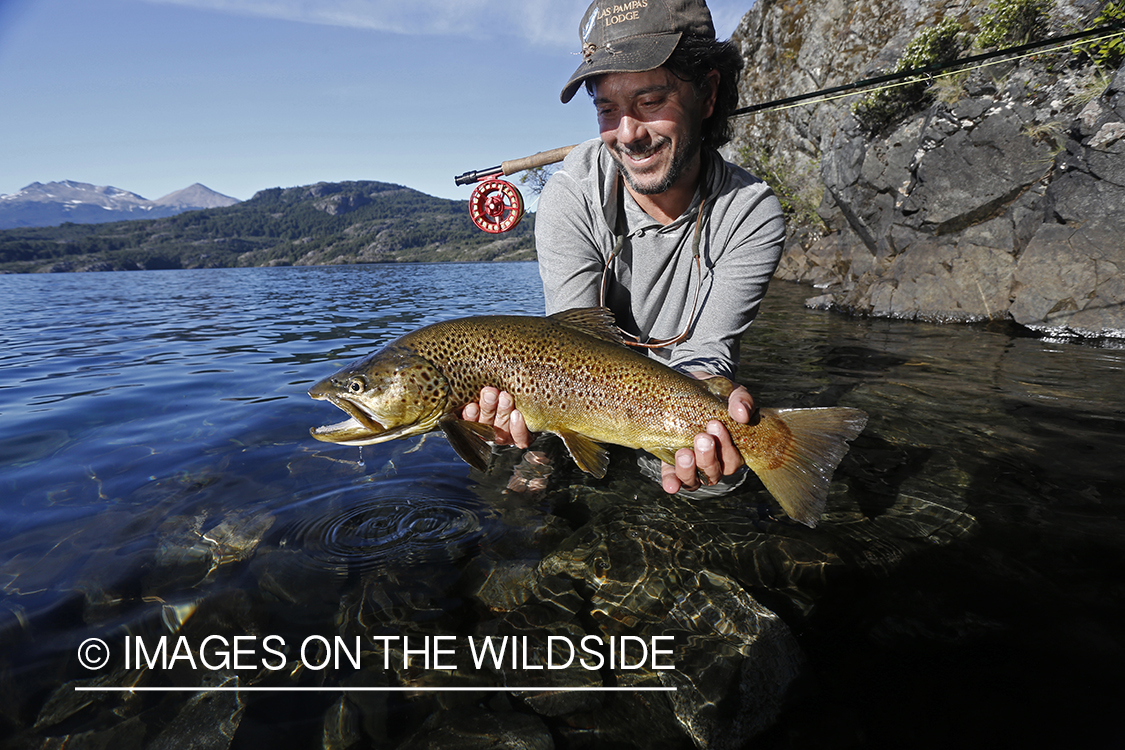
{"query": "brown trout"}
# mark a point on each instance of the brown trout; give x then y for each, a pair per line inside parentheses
(570, 374)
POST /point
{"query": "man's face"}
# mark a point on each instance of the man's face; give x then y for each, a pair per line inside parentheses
(651, 123)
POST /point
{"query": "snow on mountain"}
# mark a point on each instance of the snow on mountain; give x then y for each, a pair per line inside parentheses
(196, 196)
(68, 190)
(52, 203)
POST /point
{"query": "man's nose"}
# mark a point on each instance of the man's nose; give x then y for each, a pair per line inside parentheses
(630, 130)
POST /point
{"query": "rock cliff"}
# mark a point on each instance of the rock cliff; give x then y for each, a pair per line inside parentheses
(1000, 196)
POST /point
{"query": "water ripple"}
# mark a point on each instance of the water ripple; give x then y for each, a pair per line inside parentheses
(392, 531)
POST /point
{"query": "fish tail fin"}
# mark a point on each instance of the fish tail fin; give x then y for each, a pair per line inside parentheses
(795, 451)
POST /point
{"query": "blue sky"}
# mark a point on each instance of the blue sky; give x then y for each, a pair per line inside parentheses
(241, 95)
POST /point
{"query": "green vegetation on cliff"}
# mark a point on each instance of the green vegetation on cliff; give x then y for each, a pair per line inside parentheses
(937, 45)
(1107, 54)
(1012, 22)
(326, 223)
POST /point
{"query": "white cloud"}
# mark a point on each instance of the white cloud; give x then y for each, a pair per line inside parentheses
(551, 23)
(544, 22)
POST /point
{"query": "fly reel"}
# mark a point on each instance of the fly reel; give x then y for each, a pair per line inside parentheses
(496, 206)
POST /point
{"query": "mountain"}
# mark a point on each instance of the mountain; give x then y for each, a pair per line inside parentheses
(195, 197)
(53, 203)
(321, 224)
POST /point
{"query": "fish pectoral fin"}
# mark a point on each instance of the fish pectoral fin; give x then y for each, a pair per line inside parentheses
(470, 440)
(590, 456)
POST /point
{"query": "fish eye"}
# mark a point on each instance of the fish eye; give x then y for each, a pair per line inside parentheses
(356, 385)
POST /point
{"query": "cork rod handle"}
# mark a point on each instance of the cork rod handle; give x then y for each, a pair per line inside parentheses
(541, 159)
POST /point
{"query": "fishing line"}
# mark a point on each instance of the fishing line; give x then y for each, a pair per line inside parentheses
(914, 75)
(866, 86)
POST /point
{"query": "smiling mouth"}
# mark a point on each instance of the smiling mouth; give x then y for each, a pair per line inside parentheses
(637, 156)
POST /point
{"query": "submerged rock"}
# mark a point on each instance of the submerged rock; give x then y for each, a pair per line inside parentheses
(67, 701)
(208, 720)
(734, 667)
(481, 730)
(727, 649)
(545, 635)
(192, 549)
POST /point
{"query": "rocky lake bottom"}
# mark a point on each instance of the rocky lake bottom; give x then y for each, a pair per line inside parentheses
(181, 564)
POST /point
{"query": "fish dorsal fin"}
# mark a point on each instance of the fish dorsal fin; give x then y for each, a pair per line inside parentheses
(591, 457)
(470, 440)
(592, 321)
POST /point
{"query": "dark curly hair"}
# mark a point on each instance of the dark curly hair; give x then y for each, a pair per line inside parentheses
(692, 60)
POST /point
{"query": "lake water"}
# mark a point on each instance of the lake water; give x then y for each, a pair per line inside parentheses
(158, 486)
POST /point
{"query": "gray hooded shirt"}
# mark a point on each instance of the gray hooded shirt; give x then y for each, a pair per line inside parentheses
(653, 280)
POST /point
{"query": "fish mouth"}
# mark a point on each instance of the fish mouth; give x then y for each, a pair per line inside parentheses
(360, 428)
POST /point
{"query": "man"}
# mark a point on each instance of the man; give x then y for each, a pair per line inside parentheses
(683, 243)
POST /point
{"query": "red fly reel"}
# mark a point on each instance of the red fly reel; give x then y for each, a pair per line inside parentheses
(496, 206)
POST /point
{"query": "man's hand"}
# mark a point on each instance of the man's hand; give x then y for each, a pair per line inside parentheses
(496, 408)
(714, 452)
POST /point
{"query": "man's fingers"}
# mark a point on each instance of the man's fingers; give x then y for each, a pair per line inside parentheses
(521, 436)
(503, 410)
(498, 409)
(668, 479)
(728, 456)
(740, 405)
(707, 458)
(494, 410)
(680, 476)
(685, 469)
(489, 398)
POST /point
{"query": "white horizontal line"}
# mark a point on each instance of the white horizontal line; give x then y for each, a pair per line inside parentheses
(259, 689)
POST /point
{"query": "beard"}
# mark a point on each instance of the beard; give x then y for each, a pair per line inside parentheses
(681, 159)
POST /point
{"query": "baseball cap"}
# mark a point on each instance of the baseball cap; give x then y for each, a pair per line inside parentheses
(631, 36)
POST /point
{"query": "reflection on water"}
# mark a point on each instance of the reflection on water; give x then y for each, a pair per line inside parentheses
(159, 486)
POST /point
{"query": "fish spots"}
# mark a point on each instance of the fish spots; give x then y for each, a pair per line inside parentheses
(544, 365)
(776, 446)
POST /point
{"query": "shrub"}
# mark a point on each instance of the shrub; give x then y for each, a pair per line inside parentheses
(1108, 53)
(1011, 22)
(799, 193)
(934, 46)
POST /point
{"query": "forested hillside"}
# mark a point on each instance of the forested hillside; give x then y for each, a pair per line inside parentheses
(326, 223)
